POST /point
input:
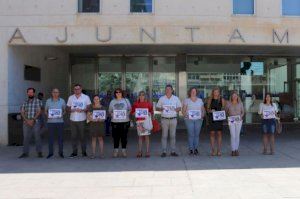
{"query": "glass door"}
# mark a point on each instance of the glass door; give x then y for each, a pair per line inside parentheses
(136, 77)
(83, 72)
(164, 73)
(109, 75)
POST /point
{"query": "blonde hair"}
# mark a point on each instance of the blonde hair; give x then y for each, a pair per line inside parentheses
(212, 96)
(238, 97)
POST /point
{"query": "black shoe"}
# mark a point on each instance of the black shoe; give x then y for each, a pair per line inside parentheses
(196, 152)
(61, 155)
(84, 154)
(40, 155)
(163, 155)
(73, 155)
(191, 152)
(174, 154)
(24, 155)
(49, 156)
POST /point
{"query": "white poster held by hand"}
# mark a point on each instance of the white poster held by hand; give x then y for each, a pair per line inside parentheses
(99, 114)
(54, 113)
(119, 114)
(141, 112)
(194, 114)
(219, 115)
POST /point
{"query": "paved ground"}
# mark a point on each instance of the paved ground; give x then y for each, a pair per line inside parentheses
(251, 175)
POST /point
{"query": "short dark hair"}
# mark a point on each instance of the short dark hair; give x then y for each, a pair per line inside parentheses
(77, 85)
(120, 90)
(169, 86)
(33, 89)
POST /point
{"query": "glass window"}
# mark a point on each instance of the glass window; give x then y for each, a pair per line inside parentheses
(291, 7)
(87, 6)
(141, 6)
(243, 7)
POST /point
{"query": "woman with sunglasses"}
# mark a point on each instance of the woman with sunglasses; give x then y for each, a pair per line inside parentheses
(119, 109)
(142, 109)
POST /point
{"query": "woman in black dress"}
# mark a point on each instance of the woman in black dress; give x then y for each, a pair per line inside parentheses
(215, 103)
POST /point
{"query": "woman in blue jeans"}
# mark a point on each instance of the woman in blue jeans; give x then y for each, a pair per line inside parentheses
(193, 111)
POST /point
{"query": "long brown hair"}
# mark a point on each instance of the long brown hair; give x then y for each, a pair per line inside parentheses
(271, 99)
(238, 97)
(145, 95)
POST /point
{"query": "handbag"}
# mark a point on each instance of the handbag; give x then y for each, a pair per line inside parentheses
(278, 126)
(147, 124)
(156, 126)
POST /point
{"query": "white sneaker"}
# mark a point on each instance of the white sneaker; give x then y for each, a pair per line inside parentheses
(124, 154)
(116, 152)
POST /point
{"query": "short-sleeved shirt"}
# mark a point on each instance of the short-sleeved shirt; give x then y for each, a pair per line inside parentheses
(122, 104)
(31, 107)
(264, 107)
(193, 105)
(79, 103)
(172, 101)
(55, 104)
(234, 109)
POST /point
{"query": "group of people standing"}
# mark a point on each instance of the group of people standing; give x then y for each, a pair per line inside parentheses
(119, 113)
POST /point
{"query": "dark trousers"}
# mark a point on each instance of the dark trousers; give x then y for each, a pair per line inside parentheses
(119, 132)
(77, 132)
(107, 125)
(56, 128)
(28, 131)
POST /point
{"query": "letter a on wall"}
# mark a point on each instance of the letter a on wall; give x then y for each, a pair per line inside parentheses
(17, 36)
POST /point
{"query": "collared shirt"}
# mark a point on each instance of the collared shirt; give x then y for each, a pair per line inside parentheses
(55, 104)
(31, 107)
(172, 102)
(78, 103)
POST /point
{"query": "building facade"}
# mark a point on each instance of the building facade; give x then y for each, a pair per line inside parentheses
(252, 46)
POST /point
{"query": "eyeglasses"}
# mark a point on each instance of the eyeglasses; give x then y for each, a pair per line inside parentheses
(77, 88)
(117, 92)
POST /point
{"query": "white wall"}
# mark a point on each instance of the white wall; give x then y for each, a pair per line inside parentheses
(54, 73)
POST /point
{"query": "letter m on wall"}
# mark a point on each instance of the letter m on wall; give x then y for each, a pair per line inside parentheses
(280, 38)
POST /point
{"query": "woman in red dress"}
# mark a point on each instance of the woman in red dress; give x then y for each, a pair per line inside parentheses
(142, 109)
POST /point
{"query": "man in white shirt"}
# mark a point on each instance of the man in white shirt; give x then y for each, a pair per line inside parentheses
(78, 105)
(169, 105)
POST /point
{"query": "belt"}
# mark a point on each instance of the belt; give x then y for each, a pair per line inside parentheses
(169, 118)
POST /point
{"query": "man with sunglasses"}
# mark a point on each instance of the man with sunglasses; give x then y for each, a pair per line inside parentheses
(78, 104)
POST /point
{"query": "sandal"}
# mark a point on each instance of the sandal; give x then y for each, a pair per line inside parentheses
(139, 155)
(265, 152)
(212, 153)
(219, 153)
(147, 155)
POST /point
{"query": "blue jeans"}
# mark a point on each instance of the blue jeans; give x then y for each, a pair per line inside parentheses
(193, 128)
(56, 128)
(268, 126)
